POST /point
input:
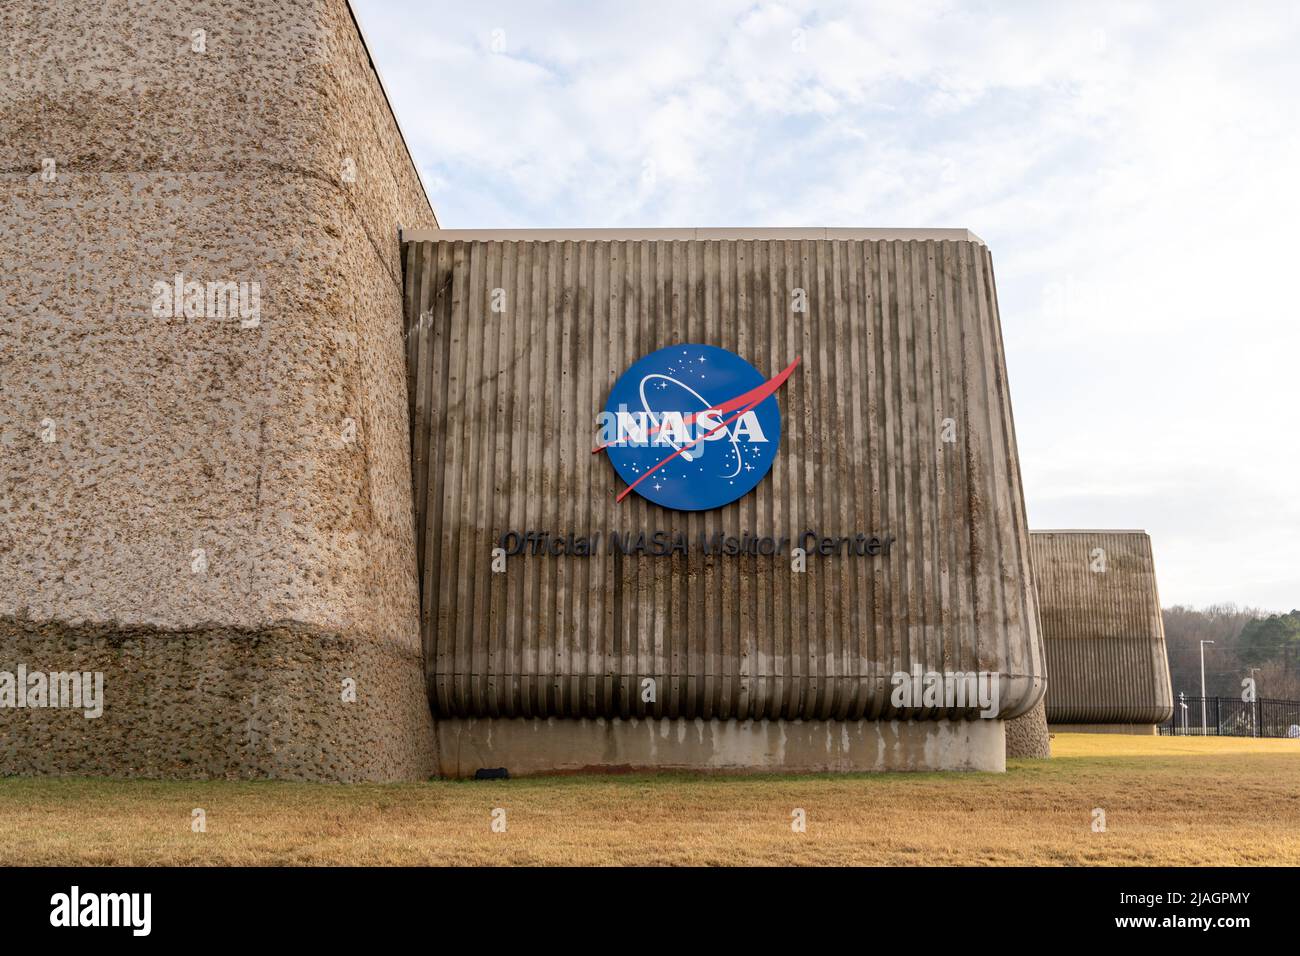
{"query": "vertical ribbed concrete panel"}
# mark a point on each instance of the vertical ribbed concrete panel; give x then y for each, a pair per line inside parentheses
(898, 336)
(1102, 628)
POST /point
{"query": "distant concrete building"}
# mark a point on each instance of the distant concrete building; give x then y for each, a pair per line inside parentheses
(804, 550)
(1107, 667)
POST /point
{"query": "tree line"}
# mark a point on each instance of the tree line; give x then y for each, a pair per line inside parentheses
(1248, 642)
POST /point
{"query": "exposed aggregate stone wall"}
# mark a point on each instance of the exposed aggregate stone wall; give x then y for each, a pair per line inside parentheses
(1027, 735)
(215, 513)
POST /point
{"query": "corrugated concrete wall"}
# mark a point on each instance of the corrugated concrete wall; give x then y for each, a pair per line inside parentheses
(198, 521)
(1102, 628)
(898, 336)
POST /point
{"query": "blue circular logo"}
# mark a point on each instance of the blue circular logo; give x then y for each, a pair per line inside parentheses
(692, 427)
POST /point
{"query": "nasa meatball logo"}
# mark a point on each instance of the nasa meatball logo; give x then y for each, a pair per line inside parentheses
(692, 427)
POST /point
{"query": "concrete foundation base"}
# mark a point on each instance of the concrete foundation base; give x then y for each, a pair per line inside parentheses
(1140, 730)
(219, 703)
(558, 745)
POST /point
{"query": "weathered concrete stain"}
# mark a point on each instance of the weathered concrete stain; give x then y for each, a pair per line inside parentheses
(899, 335)
(565, 745)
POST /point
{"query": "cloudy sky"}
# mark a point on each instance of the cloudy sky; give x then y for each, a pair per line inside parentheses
(1134, 168)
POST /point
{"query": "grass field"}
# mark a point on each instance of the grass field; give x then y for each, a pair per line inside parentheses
(1175, 801)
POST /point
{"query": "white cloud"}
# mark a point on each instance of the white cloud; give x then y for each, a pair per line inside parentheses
(1132, 166)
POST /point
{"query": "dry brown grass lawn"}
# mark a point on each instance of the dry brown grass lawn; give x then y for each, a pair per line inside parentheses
(1167, 801)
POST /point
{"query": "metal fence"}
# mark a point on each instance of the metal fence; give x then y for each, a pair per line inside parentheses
(1233, 717)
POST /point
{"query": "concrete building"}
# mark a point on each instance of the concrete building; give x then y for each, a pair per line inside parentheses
(214, 396)
(210, 505)
(1107, 667)
(897, 425)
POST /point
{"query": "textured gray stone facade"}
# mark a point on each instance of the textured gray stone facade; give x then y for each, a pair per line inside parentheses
(212, 510)
(1027, 735)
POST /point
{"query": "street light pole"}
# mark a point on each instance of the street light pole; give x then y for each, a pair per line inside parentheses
(1254, 704)
(1203, 643)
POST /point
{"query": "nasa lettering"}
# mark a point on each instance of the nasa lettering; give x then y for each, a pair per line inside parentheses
(661, 543)
(692, 427)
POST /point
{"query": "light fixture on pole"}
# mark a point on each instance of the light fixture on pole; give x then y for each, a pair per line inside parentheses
(1203, 643)
(1254, 706)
